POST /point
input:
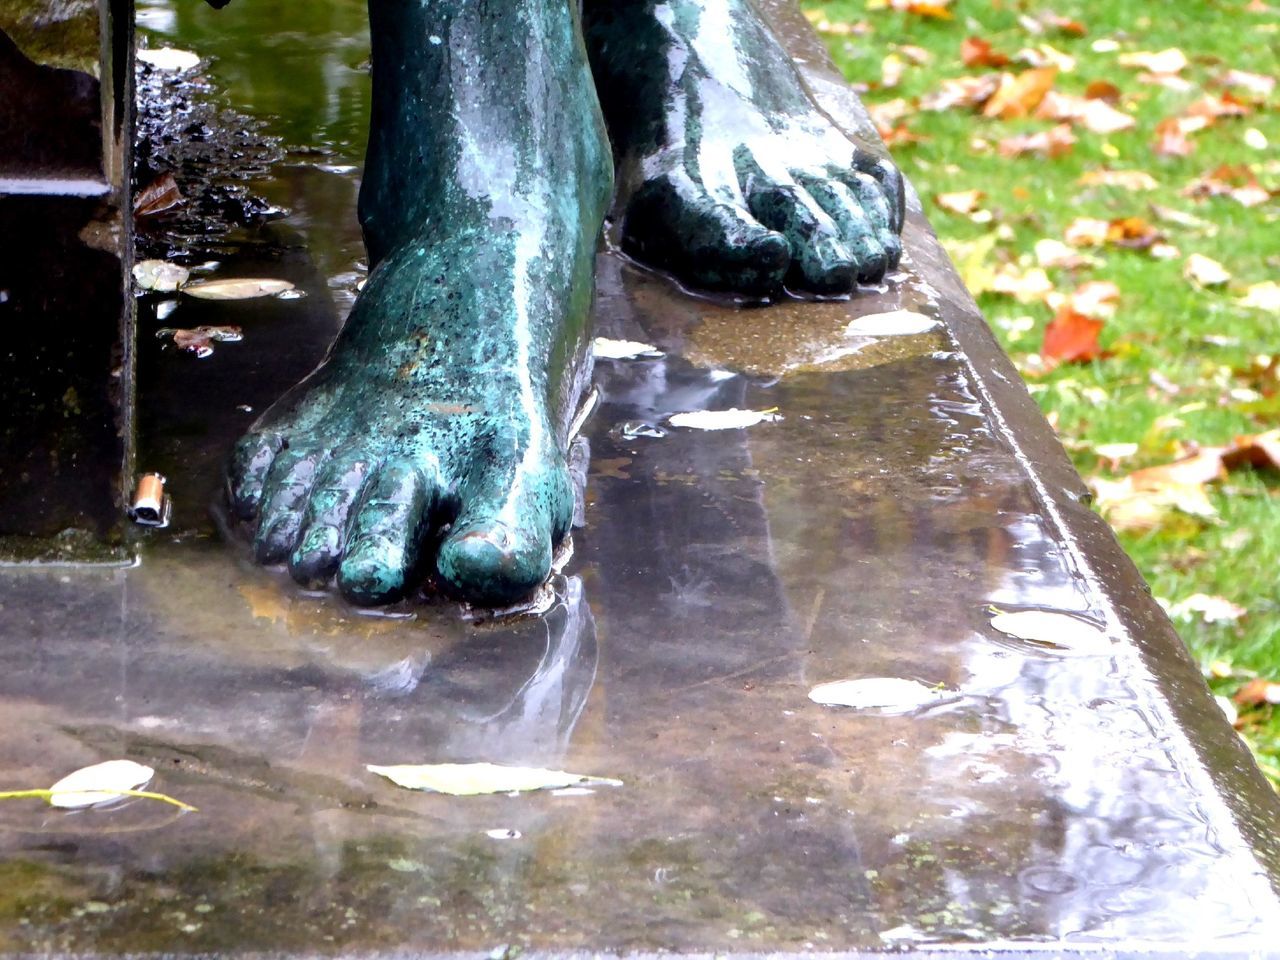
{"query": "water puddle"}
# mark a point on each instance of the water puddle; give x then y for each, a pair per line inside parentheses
(721, 575)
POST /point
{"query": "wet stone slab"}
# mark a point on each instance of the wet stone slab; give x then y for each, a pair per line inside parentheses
(1049, 800)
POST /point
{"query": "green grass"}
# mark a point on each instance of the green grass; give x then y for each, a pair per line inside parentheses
(1164, 324)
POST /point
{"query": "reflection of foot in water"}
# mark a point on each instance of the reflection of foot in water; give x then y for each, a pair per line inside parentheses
(445, 397)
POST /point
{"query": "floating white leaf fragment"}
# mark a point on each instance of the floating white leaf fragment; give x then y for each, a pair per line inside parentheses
(474, 779)
(1059, 630)
(731, 419)
(606, 349)
(895, 323)
(160, 275)
(99, 783)
(573, 792)
(242, 288)
(169, 58)
(892, 693)
(503, 833)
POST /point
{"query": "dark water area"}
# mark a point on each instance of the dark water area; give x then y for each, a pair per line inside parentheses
(1046, 793)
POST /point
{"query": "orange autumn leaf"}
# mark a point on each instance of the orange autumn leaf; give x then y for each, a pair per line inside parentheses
(1071, 337)
(1019, 94)
(1258, 84)
(976, 52)
(1133, 232)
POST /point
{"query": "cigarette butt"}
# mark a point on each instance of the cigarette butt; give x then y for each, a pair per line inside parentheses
(150, 506)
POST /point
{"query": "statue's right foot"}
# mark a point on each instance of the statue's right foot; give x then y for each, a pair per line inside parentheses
(434, 434)
(730, 176)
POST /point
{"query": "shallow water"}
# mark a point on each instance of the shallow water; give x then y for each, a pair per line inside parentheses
(1047, 795)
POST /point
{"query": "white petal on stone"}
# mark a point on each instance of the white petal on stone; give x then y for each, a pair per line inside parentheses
(895, 323)
(503, 833)
(1058, 630)
(1228, 709)
(99, 783)
(606, 349)
(474, 779)
(169, 59)
(241, 288)
(890, 693)
(573, 792)
(160, 275)
(732, 419)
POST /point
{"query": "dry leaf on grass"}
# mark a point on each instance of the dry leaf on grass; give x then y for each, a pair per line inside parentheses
(961, 92)
(976, 52)
(1211, 609)
(1019, 94)
(963, 202)
(1205, 271)
(1258, 84)
(1124, 179)
(1262, 296)
(1050, 143)
(1171, 60)
(1071, 337)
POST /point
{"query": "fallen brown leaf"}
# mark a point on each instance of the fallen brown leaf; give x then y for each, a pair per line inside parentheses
(1102, 90)
(976, 52)
(1257, 692)
(159, 195)
(1211, 107)
(1050, 143)
(961, 92)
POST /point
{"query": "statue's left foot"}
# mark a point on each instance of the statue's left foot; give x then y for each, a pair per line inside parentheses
(730, 176)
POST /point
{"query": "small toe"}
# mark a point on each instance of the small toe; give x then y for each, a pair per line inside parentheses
(333, 498)
(387, 534)
(820, 263)
(676, 226)
(874, 204)
(860, 237)
(285, 496)
(883, 171)
(500, 548)
(247, 471)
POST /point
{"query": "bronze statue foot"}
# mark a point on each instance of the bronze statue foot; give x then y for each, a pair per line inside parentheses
(730, 177)
(440, 414)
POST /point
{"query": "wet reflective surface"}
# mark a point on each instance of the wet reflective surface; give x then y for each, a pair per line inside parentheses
(1048, 796)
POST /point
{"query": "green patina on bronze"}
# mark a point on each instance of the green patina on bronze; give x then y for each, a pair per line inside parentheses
(435, 433)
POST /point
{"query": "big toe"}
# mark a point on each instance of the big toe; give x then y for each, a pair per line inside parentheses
(493, 564)
(500, 549)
